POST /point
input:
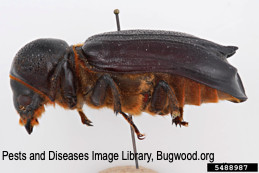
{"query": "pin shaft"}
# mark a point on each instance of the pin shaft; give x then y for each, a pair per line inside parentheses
(134, 143)
(116, 12)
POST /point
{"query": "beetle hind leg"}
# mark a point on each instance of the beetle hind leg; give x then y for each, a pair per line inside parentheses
(164, 101)
(84, 118)
(179, 119)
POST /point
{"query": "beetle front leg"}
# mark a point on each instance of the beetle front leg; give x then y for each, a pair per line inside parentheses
(69, 91)
(99, 94)
(68, 85)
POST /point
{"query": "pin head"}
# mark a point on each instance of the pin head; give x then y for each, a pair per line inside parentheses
(116, 11)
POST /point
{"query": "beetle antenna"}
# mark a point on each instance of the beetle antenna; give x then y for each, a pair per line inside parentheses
(116, 12)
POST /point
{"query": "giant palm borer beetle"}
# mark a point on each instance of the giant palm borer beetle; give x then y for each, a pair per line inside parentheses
(130, 71)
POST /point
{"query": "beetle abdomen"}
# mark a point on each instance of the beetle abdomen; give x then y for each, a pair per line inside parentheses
(194, 93)
(136, 91)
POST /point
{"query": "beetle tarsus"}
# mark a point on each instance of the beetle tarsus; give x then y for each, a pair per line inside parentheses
(84, 118)
(179, 121)
(129, 120)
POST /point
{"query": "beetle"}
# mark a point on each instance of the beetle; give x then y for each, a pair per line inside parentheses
(129, 71)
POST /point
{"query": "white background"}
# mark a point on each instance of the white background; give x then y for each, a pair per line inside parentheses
(229, 130)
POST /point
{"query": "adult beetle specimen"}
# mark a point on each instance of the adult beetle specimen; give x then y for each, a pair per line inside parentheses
(130, 71)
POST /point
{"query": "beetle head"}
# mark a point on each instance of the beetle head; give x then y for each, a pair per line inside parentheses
(32, 81)
(28, 103)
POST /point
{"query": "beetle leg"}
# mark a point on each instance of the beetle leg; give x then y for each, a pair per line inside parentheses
(68, 82)
(100, 89)
(129, 120)
(68, 85)
(99, 94)
(64, 72)
(179, 119)
(84, 118)
(162, 91)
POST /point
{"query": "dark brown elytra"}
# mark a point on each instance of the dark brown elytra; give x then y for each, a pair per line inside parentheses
(130, 71)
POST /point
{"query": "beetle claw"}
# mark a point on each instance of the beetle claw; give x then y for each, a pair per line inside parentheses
(116, 112)
(117, 108)
(141, 136)
(179, 121)
(88, 122)
(84, 118)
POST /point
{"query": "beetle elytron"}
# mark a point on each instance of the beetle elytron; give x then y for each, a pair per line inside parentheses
(130, 71)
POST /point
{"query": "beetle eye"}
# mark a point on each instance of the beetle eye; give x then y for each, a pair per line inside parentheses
(24, 100)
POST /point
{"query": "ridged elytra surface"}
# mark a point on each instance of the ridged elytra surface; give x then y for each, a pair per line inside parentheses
(145, 51)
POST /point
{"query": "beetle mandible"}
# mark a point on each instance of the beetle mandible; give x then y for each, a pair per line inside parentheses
(129, 71)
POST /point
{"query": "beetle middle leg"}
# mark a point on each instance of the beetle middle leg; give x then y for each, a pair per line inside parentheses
(99, 94)
(162, 92)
